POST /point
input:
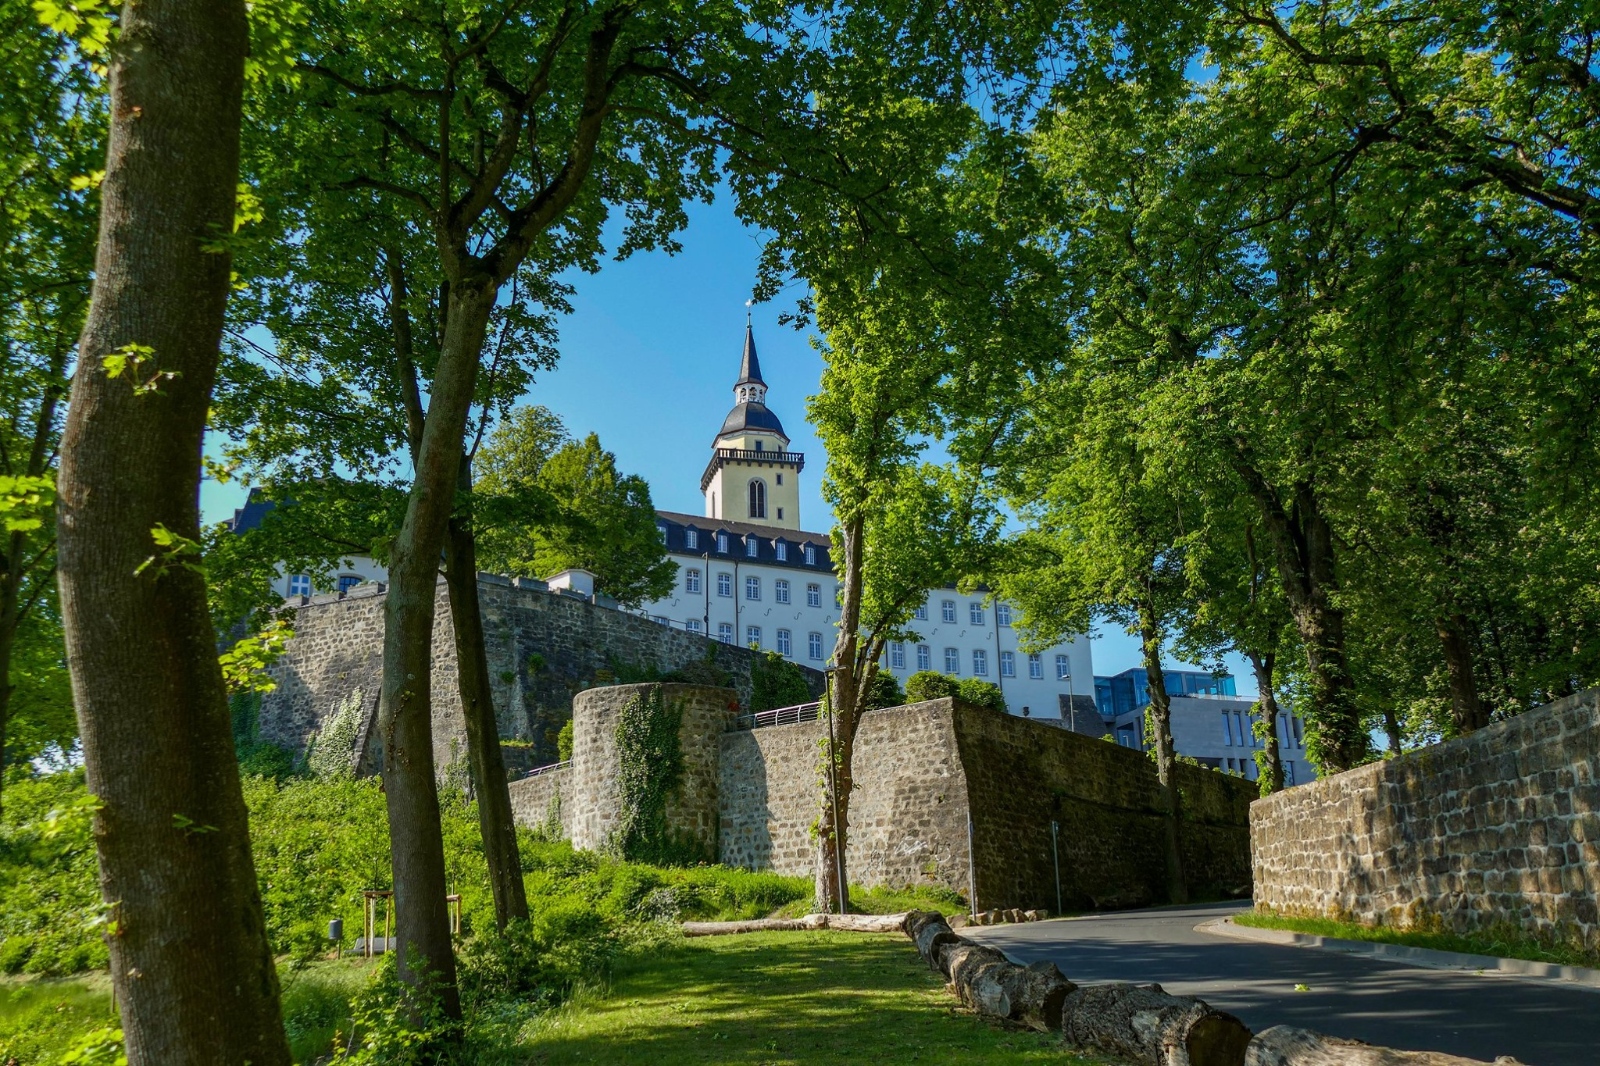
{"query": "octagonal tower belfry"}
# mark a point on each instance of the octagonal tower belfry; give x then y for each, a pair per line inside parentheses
(752, 475)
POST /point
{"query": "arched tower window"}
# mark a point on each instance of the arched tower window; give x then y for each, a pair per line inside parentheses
(758, 499)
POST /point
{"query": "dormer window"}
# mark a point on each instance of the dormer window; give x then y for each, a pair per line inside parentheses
(751, 546)
(811, 556)
(691, 538)
(722, 542)
(782, 550)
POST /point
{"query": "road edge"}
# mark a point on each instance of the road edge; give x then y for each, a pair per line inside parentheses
(1578, 977)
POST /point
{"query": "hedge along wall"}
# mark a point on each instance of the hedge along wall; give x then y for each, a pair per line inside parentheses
(544, 647)
(1500, 828)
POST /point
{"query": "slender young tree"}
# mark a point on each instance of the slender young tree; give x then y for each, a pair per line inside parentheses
(190, 961)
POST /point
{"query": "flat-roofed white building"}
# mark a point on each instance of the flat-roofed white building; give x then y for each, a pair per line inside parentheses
(749, 574)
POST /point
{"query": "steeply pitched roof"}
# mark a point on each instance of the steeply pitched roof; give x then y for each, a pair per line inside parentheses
(750, 366)
(747, 416)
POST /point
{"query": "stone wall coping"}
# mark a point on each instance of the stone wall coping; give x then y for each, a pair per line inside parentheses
(1425, 958)
(1489, 736)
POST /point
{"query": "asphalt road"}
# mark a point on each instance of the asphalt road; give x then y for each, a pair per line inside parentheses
(1478, 1016)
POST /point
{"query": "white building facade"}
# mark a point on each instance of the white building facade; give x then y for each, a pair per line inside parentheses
(1218, 732)
(749, 574)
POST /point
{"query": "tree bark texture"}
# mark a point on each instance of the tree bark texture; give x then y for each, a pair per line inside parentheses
(405, 711)
(1467, 709)
(1143, 1024)
(190, 962)
(1285, 1045)
(1166, 751)
(486, 763)
(847, 682)
(1267, 707)
(1302, 542)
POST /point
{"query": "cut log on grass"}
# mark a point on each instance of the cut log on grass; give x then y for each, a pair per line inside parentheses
(1145, 1025)
(1284, 1045)
(930, 933)
(851, 923)
(1035, 994)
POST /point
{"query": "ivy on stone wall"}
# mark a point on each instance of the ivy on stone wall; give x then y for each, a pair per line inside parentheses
(332, 753)
(649, 768)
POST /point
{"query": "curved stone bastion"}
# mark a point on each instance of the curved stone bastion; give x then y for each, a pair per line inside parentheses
(584, 800)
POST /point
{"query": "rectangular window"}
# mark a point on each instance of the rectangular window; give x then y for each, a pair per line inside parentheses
(663, 531)
(780, 510)
(1227, 729)
(725, 632)
(813, 595)
(299, 584)
(782, 548)
(752, 588)
(975, 613)
(1063, 668)
(1002, 614)
(780, 592)
(692, 625)
(1008, 664)
(662, 620)
(722, 543)
(947, 610)
(752, 636)
(980, 663)
(349, 581)
(924, 657)
(751, 546)
(952, 661)
(921, 614)
(814, 646)
(724, 584)
(691, 581)
(897, 656)
(785, 642)
(780, 481)
(691, 539)
(811, 556)
(1036, 667)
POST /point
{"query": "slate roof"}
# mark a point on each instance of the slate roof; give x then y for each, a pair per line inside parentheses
(749, 366)
(767, 537)
(748, 416)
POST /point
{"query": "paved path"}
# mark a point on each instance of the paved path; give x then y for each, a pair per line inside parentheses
(1368, 999)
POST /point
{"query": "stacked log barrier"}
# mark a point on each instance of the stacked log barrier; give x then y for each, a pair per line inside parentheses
(1284, 1045)
(1144, 1024)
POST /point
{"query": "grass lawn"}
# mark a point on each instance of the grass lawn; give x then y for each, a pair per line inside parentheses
(1508, 946)
(772, 999)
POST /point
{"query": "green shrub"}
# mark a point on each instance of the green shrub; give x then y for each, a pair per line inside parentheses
(884, 692)
(930, 685)
(51, 917)
(777, 682)
(564, 742)
(982, 693)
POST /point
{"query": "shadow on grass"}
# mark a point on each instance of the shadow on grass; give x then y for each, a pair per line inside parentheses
(780, 998)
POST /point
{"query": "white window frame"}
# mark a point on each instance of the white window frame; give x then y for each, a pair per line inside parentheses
(780, 590)
(752, 547)
(897, 656)
(1008, 664)
(1063, 667)
(691, 581)
(952, 661)
(924, 657)
(785, 642)
(722, 543)
(781, 550)
(947, 611)
(691, 538)
(814, 645)
(299, 584)
(980, 662)
(813, 595)
(752, 588)
(921, 613)
(724, 584)
(692, 625)
(725, 632)
(975, 612)
(1035, 666)
(752, 635)
(1002, 613)
(811, 556)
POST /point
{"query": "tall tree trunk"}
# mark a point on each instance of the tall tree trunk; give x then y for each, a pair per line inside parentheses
(422, 922)
(10, 593)
(1302, 542)
(488, 767)
(1391, 727)
(1467, 710)
(1267, 708)
(190, 963)
(1166, 753)
(846, 683)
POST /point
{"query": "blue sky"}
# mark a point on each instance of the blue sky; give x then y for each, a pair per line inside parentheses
(649, 356)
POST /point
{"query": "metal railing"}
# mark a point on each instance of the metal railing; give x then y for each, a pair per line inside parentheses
(800, 712)
(537, 770)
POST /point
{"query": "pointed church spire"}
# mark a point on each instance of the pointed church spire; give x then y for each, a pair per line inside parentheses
(750, 366)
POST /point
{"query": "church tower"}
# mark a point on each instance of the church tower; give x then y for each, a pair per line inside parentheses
(753, 476)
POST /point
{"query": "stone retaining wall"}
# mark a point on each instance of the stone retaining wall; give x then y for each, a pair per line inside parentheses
(543, 647)
(1500, 828)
